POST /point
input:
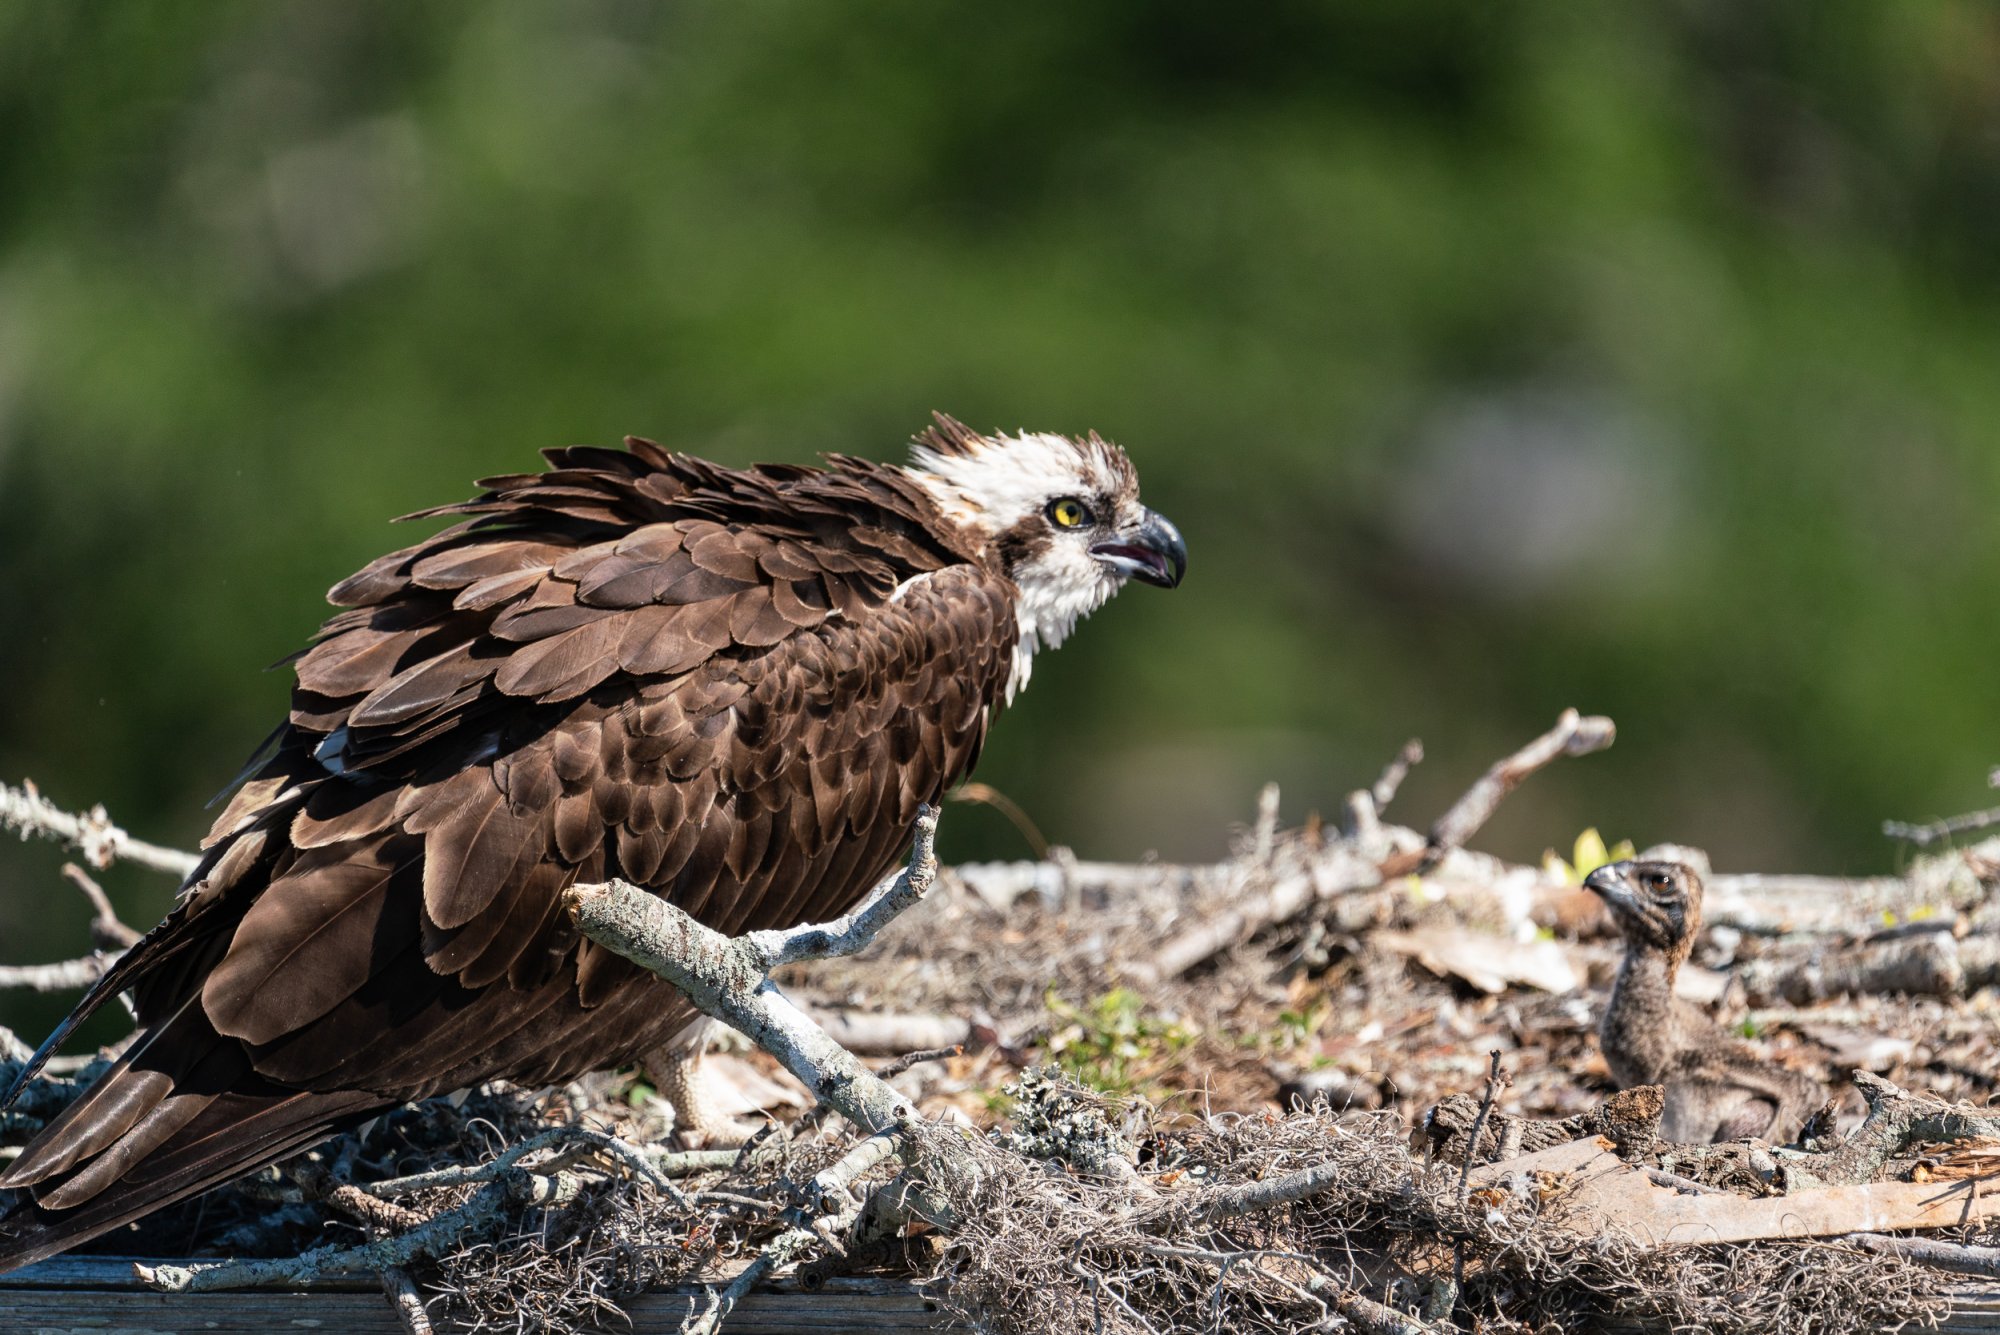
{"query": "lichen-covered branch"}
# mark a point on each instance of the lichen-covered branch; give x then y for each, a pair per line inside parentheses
(1897, 1121)
(485, 1211)
(728, 978)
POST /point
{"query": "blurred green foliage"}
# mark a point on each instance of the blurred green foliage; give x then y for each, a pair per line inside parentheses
(1493, 357)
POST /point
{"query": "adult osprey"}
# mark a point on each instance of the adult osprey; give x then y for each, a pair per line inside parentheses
(733, 687)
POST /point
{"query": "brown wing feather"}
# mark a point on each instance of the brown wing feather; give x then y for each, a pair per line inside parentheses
(636, 664)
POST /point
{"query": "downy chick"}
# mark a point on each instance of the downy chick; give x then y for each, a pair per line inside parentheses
(1717, 1089)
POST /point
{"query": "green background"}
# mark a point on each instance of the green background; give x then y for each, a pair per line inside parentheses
(1494, 357)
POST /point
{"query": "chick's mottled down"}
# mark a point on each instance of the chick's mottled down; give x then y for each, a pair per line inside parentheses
(1717, 1089)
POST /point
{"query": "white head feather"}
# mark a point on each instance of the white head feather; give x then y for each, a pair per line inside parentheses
(999, 488)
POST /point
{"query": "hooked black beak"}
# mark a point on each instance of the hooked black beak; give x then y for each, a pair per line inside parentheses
(1154, 552)
(1613, 882)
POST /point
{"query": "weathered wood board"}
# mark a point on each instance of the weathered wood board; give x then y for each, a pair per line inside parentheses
(98, 1296)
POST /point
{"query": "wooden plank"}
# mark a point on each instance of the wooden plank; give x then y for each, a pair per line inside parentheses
(98, 1295)
(88, 1312)
(115, 1272)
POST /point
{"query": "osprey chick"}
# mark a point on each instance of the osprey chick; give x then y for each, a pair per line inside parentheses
(733, 687)
(1716, 1088)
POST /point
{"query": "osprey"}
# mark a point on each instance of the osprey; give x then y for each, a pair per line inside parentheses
(733, 687)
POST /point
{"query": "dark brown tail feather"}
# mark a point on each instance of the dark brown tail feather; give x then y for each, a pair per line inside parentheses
(234, 1134)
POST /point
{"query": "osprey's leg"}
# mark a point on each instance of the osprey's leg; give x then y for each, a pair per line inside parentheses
(675, 1070)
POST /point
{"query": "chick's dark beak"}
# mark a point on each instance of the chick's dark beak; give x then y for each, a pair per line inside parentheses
(1153, 552)
(1612, 882)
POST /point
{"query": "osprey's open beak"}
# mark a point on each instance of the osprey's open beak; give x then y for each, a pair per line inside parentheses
(1613, 883)
(1153, 552)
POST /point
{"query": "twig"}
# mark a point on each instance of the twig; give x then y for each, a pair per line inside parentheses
(1497, 1079)
(485, 1211)
(1374, 1318)
(107, 930)
(1384, 791)
(845, 936)
(350, 1200)
(61, 976)
(1660, 1177)
(1252, 1197)
(880, 1034)
(832, 1187)
(831, 1196)
(987, 795)
(1267, 826)
(25, 809)
(647, 1165)
(110, 934)
(1926, 835)
(890, 1070)
(1573, 735)
(1942, 1255)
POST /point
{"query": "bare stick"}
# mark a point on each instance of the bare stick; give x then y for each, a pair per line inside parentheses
(729, 978)
(110, 934)
(1573, 735)
(1941, 831)
(102, 843)
(58, 977)
(107, 930)
(890, 1070)
(1267, 825)
(1268, 1194)
(1384, 791)
(1367, 1315)
(845, 936)
(483, 1212)
(357, 1204)
(507, 1184)
(831, 1196)
(1942, 1255)
(888, 1034)
(567, 1140)
(1497, 1079)
(1897, 1119)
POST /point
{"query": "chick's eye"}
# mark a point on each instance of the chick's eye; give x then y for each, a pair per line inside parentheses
(1069, 513)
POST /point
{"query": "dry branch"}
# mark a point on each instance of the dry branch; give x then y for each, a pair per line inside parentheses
(1924, 965)
(728, 979)
(1897, 1121)
(25, 810)
(62, 976)
(1952, 1256)
(1573, 735)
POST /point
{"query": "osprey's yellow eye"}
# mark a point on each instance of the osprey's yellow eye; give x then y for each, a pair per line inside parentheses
(1069, 512)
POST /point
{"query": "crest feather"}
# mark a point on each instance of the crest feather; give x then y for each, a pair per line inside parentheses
(950, 438)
